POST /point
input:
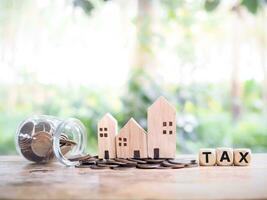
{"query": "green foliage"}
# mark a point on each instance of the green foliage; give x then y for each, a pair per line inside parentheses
(251, 132)
(211, 5)
(251, 5)
(86, 5)
(140, 94)
(204, 114)
(203, 110)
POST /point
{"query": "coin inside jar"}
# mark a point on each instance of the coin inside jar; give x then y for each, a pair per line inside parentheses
(41, 143)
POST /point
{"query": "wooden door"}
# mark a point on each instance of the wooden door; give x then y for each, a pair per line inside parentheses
(136, 154)
(156, 152)
(106, 155)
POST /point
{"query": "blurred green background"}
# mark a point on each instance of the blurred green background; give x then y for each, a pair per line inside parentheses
(81, 58)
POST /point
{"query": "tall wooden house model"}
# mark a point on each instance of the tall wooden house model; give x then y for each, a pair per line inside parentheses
(161, 126)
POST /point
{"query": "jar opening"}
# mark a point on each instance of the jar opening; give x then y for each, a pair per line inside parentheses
(74, 134)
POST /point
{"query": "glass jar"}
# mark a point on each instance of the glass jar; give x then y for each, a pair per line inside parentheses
(43, 138)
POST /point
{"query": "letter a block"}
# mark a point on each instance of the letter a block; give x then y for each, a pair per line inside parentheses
(207, 157)
(242, 157)
(224, 156)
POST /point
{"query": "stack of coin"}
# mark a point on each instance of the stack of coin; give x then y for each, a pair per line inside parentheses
(36, 144)
(93, 162)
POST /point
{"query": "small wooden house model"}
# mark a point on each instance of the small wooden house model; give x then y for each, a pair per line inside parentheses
(131, 142)
(107, 130)
(161, 137)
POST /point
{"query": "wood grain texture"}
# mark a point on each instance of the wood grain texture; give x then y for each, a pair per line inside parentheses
(20, 179)
(161, 119)
(131, 141)
(106, 131)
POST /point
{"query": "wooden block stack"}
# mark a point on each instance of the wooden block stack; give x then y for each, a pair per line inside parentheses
(224, 157)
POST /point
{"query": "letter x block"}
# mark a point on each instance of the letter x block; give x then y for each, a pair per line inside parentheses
(224, 156)
(207, 157)
(242, 157)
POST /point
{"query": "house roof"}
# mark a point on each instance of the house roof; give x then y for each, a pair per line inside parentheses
(130, 123)
(161, 101)
(107, 117)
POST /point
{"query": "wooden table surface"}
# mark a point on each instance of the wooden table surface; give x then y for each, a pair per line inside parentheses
(20, 179)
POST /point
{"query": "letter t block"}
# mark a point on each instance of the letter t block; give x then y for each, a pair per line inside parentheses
(207, 157)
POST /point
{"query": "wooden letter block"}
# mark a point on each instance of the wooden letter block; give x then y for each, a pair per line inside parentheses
(242, 157)
(224, 156)
(207, 157)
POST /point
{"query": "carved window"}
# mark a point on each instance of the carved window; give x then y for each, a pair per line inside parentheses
(122, 141)
(168, 127)
(103, 132)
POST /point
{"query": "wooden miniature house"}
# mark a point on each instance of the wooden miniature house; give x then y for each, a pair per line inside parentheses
(131, 142)
(161, 137)
(107, 130)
